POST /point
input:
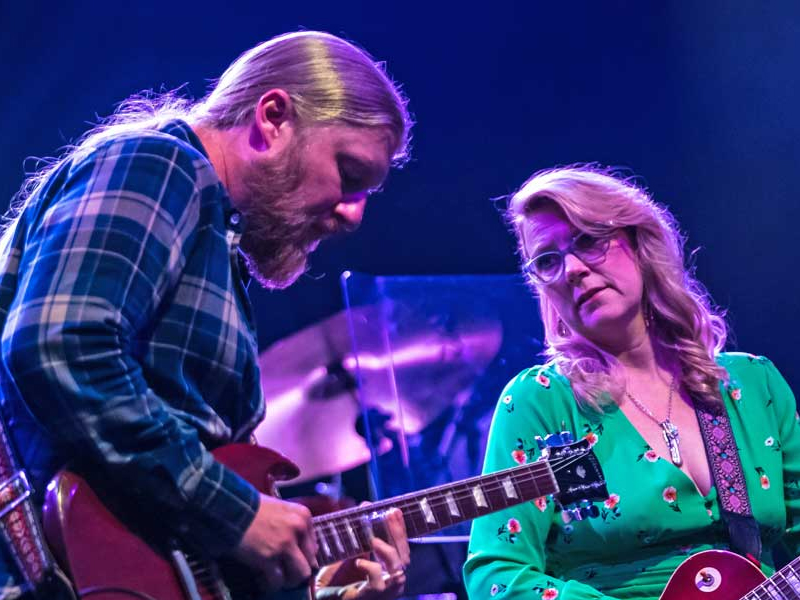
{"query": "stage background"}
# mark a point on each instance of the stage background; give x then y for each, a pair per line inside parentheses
(700, 99)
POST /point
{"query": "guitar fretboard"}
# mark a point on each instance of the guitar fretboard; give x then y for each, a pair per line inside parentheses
(783, 585)
(347, 533)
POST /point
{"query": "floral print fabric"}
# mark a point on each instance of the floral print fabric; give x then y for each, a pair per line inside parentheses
(654, 516)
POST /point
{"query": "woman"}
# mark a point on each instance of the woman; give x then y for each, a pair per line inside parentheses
(633, 344)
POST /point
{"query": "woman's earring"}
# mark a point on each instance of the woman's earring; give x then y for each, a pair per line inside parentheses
(561, 329)
(648, 316)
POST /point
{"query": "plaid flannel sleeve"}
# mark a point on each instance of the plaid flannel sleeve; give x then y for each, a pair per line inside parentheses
(94, 271)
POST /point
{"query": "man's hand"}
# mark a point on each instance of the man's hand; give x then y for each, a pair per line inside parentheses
(381, 579)
(280, 544)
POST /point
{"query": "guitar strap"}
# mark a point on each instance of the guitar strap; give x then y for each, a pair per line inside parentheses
(21, 530)
(726, 468)
(20, 527)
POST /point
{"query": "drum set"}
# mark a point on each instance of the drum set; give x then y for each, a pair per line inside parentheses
(378, 383)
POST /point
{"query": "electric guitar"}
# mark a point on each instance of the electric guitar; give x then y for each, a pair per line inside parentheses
(722, 575)
(109, 560)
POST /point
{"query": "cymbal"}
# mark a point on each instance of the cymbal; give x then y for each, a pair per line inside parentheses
(405, 364)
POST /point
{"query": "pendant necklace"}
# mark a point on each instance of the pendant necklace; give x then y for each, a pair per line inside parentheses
(668, 430)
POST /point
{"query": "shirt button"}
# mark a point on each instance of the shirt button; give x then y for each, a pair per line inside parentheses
(235, 218)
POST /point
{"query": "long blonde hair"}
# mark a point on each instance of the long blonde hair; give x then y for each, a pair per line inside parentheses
(682, 317)
(330, 81)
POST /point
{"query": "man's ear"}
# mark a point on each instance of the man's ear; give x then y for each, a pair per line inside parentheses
(273, 125)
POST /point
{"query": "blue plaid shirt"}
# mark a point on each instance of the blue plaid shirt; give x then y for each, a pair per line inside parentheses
(127, 335)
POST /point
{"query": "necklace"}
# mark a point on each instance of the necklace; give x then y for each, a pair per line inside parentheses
(668, 430)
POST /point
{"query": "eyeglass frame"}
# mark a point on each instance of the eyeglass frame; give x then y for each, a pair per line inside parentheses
(570, 249)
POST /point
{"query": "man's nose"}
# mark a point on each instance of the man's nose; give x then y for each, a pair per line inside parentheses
(350, 211)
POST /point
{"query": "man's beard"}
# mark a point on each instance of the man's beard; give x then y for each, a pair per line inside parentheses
(278, 235)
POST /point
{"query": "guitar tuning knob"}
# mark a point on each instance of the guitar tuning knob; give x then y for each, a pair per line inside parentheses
(563, 438)
(553, 440)
(574, 514)
(589, 510)
(586, 510)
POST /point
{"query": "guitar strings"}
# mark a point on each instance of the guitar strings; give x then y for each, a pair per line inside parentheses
(784, 586)
(341, 523)
(494, 483)
(204, 575)
(492, 478)
(435, 501)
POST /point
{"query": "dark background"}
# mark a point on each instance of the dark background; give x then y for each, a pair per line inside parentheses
(700, 99)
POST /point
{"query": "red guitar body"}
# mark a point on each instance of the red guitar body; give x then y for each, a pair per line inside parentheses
(106, 562)
(714, 575)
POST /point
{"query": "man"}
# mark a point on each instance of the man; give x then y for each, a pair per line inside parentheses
(127, 337)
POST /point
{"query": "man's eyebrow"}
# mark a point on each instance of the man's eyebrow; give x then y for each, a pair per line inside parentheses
(366, 168)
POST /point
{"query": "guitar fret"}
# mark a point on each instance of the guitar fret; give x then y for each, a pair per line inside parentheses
(529, 488)
(792, 579)
(336, 539)
(352, 535)
(425, 507)
(344, 536)
(771, 589)
(415, 520)
(452, 505)
(783, 583)
(467, 503)
(496, 496)
(323, 544)
(508, 488)
(480, 498)
(366, 531)
(441, 510)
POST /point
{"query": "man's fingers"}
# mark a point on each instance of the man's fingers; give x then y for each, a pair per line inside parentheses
(388, 556)
(296, 569)
(397, 531)
(308, 546)
(374, 573)
(273, 573)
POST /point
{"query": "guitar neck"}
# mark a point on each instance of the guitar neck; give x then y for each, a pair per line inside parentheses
(783, 585)
(348, 533)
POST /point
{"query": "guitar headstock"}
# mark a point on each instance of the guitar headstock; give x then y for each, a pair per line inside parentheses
(578, 473)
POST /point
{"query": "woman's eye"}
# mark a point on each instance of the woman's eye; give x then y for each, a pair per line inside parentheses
(586, 242)
(546, 262)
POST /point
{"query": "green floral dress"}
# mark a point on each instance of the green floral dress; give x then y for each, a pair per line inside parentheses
(654, 518)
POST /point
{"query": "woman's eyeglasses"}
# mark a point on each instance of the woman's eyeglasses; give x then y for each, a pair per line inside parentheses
(548, 266)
